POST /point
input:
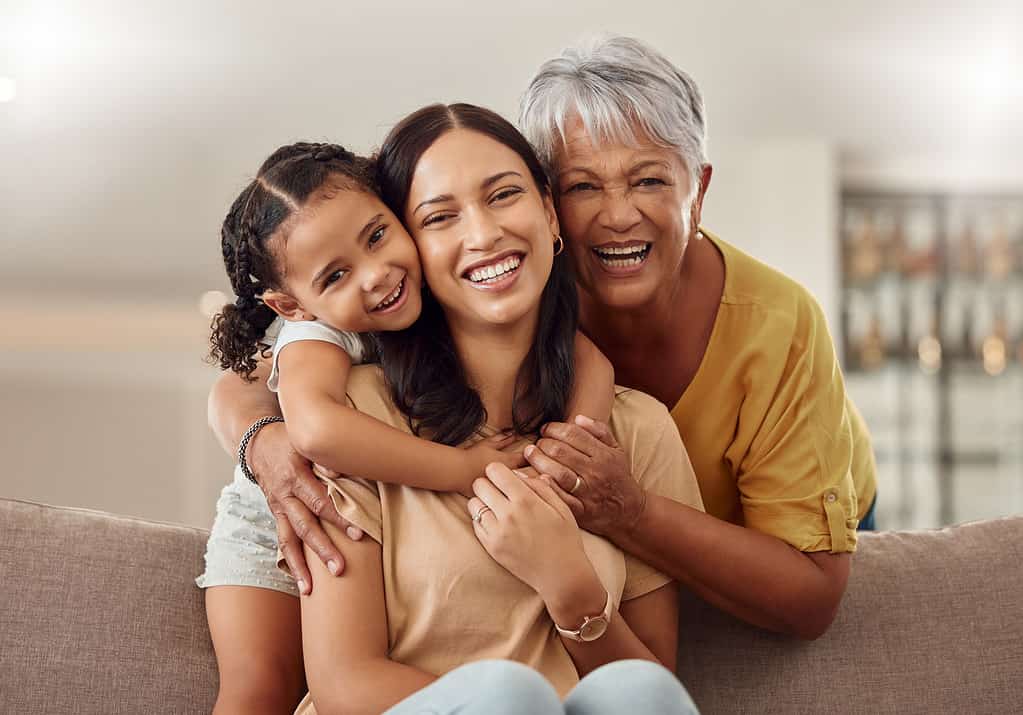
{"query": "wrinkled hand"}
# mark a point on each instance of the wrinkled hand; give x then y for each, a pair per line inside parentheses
(298, 501)
(528, 530)
(607, 500)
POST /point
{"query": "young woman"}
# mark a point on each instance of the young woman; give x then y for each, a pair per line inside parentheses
(310, 243)
(505, 577)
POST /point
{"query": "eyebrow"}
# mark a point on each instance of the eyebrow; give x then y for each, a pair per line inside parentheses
(638, 167)
(328, 269)
(489, 181)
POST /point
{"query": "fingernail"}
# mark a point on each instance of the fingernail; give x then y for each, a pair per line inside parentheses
(520, 475)
(354, 533)
(529, 451)
(583, 421)
(333, 567)
(302, 588)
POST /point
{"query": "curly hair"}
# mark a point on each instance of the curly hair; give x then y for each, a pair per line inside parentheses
(285, 182)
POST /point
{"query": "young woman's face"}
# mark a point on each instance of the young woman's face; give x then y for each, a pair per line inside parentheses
(349, 263)
(484, 230)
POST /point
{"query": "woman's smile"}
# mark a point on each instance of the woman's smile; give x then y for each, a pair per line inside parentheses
(622, 258)
(495, 274)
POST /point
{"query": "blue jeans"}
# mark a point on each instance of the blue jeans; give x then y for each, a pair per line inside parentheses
(504, 687)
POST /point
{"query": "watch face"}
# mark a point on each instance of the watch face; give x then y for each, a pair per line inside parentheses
(593, 629)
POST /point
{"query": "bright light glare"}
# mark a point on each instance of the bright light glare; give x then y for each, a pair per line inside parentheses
(8, 89)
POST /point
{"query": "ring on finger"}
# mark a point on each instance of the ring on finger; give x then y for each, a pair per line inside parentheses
(478, 516)
(578, 482)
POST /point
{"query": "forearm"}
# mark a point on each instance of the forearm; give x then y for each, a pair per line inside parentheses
(370, 686)
(350, 442)
(234, 404)
(619, 642)
(755, 577)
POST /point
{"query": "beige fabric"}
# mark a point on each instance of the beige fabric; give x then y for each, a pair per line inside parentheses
(98, 614)
(931, 622)
(448, 601)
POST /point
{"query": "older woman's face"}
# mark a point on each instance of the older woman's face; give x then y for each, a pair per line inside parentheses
(626, 216)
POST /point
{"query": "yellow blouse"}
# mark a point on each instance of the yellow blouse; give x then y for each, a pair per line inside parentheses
(776, 444)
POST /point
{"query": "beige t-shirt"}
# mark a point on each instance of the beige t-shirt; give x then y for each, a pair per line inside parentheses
(448, 601)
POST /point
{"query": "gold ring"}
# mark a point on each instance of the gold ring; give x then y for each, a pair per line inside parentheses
(478, 516)
(578, 481)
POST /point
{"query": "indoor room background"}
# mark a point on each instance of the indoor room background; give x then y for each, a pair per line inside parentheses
(871, 150)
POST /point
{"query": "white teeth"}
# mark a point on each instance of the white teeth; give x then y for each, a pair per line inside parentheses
(621, 256)
(488, 274)
(392, 297)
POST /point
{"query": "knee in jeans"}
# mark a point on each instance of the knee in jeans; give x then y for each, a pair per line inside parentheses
(640, 685)
(515, 686)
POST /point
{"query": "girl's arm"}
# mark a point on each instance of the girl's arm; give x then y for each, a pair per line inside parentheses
(324, 428)
(344, 637)
(593, 391)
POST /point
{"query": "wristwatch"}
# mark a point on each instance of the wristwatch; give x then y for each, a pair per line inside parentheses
(593, 627)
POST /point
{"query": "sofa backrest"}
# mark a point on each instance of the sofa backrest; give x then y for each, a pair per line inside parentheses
(931, 622)
(100, 614)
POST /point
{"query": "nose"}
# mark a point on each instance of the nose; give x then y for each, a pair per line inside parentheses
(617, 212)
(482, 231)
(374, 276)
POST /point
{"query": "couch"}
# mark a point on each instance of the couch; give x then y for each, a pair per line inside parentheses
(100, 615)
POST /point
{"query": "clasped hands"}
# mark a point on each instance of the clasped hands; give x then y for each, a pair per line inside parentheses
(578, 465)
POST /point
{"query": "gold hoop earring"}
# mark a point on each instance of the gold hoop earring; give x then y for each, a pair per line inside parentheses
(559, 245)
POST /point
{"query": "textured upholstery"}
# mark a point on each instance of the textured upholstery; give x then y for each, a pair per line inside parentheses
(99, 615)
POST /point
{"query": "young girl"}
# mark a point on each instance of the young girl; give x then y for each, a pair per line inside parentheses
(310, 242)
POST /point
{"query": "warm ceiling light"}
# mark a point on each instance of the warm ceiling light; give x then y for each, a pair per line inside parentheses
(8, 89)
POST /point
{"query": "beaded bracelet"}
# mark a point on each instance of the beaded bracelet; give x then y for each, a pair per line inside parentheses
(247, 437)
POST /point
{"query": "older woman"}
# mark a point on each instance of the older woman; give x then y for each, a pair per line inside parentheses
(739, 353)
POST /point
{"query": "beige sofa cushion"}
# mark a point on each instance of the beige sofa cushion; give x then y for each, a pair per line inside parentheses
(100, 614)
(932, 622)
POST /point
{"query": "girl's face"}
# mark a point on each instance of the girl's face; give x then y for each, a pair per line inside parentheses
(349, 263)
(484, 230)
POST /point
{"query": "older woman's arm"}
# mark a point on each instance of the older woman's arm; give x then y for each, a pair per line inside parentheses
(296, 497)
(344, 637)
(754, 576)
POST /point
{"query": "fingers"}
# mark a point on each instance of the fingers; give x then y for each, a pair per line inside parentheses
(544, 490)
(600, 430)
(313, 493)
(507, 481)
(543, 464)
(566, 454)
(320, 471)
(570, 500)
(490, 495)
(307, 530)
(291, 548)
(476, 506)
(574, 436)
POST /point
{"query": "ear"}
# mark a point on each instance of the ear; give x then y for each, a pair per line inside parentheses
(285, 305)
(697, 207)
(552, 215)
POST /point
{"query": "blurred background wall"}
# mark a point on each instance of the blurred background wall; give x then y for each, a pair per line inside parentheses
(127, 128)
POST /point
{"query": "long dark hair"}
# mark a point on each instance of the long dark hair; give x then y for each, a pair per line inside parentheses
(420, 363)
(285, 181)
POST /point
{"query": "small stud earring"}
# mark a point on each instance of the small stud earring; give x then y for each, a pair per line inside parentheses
(559, 245)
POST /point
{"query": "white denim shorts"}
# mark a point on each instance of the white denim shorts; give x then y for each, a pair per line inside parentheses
(242, 548)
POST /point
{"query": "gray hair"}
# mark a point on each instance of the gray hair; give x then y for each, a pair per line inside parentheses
(613, 83)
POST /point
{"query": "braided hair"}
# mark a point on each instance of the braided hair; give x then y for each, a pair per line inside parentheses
(284, 184)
